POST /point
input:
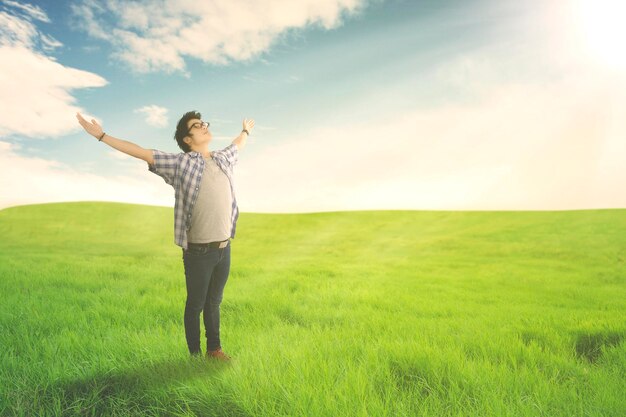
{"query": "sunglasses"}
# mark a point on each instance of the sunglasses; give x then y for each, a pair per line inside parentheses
(199, 125)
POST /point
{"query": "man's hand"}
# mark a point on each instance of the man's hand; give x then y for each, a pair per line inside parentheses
(248, 124)
(240, 140)
(93, 128)
(129, 148)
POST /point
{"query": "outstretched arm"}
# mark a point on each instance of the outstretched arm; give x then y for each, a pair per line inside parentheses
(129, 148)
(240, 140)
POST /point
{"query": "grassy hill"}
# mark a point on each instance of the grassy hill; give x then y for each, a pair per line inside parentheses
(368, 313)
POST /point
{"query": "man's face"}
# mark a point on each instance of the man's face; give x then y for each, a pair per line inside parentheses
(198, 135)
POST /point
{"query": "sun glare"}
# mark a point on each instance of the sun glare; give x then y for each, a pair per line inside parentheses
(604, 29)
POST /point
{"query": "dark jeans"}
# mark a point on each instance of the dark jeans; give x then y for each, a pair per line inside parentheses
(206, 273)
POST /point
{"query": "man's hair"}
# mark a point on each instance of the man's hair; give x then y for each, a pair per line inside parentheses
(181, 129)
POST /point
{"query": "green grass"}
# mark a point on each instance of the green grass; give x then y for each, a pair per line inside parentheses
(379, 313)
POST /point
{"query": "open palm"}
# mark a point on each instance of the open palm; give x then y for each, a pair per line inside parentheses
(93, 128)
(248, 124)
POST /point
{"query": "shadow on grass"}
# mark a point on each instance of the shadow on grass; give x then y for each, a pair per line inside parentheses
(591, 345)
(159, 388)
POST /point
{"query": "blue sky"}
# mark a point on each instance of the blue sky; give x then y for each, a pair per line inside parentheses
(358, 104)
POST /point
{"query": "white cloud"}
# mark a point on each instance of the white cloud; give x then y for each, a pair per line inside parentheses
(121, 156)
(28, 180)
(48, 43)
(15, 31)
(155, 115)
(156, 36)
(30, 11)
(519, 147)
(35, 97)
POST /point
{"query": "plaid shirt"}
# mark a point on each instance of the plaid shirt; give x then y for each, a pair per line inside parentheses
(183, 171)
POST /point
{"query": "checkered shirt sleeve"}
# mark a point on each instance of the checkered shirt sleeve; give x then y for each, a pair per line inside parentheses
(230, 154)
(165, 165)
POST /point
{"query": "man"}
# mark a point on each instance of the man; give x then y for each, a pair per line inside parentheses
(205, 215)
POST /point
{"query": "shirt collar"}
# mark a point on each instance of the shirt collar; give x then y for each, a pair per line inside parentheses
(196, 155)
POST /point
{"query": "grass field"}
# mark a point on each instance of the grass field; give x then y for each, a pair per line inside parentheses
(380, 313)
